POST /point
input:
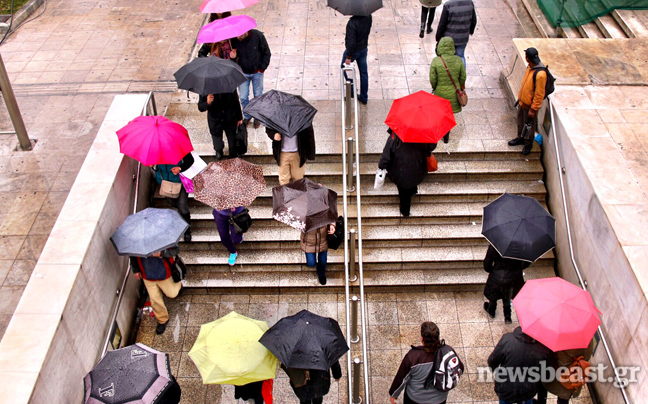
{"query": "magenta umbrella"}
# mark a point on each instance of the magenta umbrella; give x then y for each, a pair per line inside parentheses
(557, 313)
(154, 140)
(221, 6)
(226, 28)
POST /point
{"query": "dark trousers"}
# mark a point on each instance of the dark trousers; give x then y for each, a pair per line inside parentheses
(182, 204)
(506, 305)
(360, 57)
(522, 116)
(407, 400)
(229, 238)
(405, 199)
(427, 14)
(542, 396)
(313, 401)
(216, 129)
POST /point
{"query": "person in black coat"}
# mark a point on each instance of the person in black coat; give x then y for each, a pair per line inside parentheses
(406, 165)
(223, 114)
(317, 384)
(356, 42)
(505, 279)
(518, 351)
(291, 153)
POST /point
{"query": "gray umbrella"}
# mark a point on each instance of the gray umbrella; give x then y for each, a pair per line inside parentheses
(149, 231)
(210, 75)
(355, 7)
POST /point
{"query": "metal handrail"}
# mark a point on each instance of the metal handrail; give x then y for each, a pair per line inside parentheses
(583, 284)
(150, 101)
(343, 74)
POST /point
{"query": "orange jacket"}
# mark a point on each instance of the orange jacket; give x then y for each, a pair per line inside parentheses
(527, 97)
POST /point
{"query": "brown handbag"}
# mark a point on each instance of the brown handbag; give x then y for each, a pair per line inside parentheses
(461, 94)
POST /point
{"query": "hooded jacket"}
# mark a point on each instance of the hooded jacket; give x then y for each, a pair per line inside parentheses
(406, 163)
(439, 79)
(516, 351)
(305, 145)
(357, 34)
(528, 98)
(505, 277)
(411, 376)
(252, 53)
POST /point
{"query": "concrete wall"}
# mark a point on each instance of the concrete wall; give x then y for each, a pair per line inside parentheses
(57, 332)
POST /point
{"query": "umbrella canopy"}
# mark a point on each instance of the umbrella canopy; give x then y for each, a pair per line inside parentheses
(209, 75)
(149, 231)
(154, 140)
(221, 6)
(304, 205)
(519, 227)
(306, 341)
(226, 28)
(355, 7)
(421, 118)
(557, 313)
(227, 351)
(134, 374)
(286, 113)
(227, 184)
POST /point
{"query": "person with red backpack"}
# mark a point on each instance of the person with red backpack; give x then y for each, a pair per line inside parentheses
(156, 273)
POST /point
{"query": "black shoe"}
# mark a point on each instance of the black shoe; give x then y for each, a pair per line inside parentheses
(160, 328)
(322, 280)
(362, 102)
(246, 121)
(219, 155)
(491, 315)
(187, 236)
(508, 320)
(256, 124)
(429, 30)
(516, 142)
(421, 34)
(446, 138)
(526, 150)
(405, 214)
(180, 292)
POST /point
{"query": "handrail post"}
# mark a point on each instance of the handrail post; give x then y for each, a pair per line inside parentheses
(350, 186)
(354, 320)
(348, 105)
(352, 255)
(356, 381)
(13, 109)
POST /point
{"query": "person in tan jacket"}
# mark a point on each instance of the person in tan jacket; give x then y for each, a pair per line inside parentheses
(316, 242)
(530, 99)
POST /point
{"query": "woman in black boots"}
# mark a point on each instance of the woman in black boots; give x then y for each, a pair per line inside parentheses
(428, 7)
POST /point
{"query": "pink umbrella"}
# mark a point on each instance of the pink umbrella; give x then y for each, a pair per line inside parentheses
(226, 28)
(557, 313)
(154, 140)
(221, 6)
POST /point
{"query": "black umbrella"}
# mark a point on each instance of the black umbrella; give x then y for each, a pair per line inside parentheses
(210, 75)
(286, 113)
(149, 231)
(304, 205)
(519, 227)
(355, 7)
(306, 341)
(136, 373)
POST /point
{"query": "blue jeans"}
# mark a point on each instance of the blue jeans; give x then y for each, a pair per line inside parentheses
(460, 50)
(244, 89)
(360, 57)
(320, 262)
(521, 402)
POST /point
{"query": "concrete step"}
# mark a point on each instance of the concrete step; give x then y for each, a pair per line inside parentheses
(633, 23)
(610, 27)
(590, 30)
(464, 278)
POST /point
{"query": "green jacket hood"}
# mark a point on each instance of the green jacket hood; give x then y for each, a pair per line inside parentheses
(446, 47)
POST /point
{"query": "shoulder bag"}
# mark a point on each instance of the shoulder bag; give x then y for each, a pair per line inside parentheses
(461, 94)
(170, 189)
(241, 221)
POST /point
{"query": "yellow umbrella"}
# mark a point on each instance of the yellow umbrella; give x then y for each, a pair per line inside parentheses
(227, 351)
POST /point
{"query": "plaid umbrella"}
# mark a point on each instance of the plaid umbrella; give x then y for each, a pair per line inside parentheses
(304, 205)
(229, 184)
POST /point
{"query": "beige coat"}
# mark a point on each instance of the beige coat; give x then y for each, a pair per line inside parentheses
(430, 3)
(566, 358)
(315, 241)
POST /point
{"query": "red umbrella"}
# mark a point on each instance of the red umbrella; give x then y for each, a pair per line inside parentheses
(557, 313)
(154, 140)
(421, 118)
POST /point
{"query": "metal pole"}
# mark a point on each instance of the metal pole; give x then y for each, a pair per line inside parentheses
(350, 186)
(352, 257)
(356, 381)
(354, 319)
(348, 105)
(12, 108)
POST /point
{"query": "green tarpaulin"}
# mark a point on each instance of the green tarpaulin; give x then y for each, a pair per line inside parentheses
(573, 13)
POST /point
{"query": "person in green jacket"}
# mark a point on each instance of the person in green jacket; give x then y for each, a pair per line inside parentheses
(441, 83)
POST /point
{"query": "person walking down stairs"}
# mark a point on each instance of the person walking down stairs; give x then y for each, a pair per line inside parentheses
(315, 245)
(291, 153)
(229, 238)
(505, 279)
(171, 173)
(428, 9)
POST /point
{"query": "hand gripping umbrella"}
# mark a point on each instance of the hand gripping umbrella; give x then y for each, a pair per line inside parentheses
(306, 341)
(519, 227)
(227, 28)
(304, 205)
(355, 7)
(421, 118)
(154, 140)
(221, 6)
(229, 184)
(557, 313)
(134, 374)
(149, 231)
(209, 75)
(286, 113)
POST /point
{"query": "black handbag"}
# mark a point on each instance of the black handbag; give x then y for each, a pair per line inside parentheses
(241, 221)
(336, 239)
(179, 269)
(241, 140)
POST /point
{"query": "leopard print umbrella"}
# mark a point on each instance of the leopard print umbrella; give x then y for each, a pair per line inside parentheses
(229, 183)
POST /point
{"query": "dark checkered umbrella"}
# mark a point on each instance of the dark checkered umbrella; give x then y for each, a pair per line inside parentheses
(149, 231)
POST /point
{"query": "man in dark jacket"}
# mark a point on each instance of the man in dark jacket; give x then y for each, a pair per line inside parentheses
(291, 153)
(516, 361)
(356, 42)
(253, 55)
(406, 165)
(223, 114)
(458, 21)
(155, 271)
(505, 279)
(312, 389)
